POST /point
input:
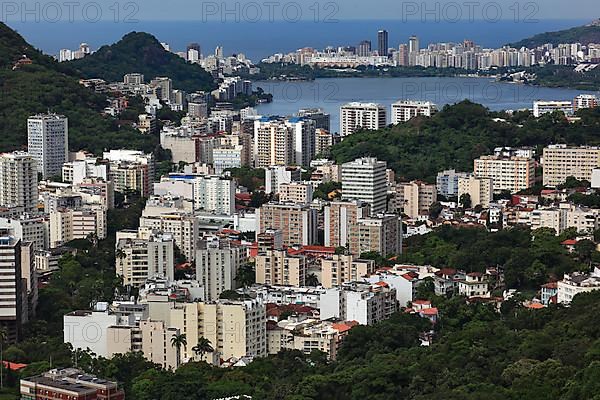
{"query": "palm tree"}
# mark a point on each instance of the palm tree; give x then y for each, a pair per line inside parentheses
(204, 346)
(312, 280)
(178, 341)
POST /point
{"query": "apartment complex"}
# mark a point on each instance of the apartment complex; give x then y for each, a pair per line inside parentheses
(405, 110)
(480, 190)
(67, 224)
(381, 234)
(339, 217)
(12, 291)
(543, 107)
(562, 161)
(184, 228)
(18, 182)
(340, 269)
(415, 198)
(364, 303)
(365, 179)
(145, 256)
(447, 182)
(357, 116)
(512, 174)
(48, 142)
(275, 176)
(295, 192)
(217, 266)
(276, 267)
(131, 171)
(297, 222)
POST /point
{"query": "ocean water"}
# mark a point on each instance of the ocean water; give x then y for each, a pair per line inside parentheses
(331, 93)
(261, 39)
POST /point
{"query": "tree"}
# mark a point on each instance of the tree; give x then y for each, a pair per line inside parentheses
(204, 346)
(178, 341)
(312, 280)
(465, 201)
(435, 210)
(246, 275)
(3, 337)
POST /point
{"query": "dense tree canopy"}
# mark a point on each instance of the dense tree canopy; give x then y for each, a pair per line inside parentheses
(458, 134)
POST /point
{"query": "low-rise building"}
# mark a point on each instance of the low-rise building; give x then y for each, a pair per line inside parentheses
(340, 269)
(364, 303)
(69, 383)
(576, 283)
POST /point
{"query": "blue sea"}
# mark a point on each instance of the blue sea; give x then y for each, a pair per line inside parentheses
(261, 39)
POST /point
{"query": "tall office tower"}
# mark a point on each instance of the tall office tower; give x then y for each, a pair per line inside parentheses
(219, 52)
(413, 50)
(364, 48)
(48, 142)
(18, 182)
(403, 55)
(11, 287)
(273, 144)
(365, 179)
(383, 43)
(356, 116)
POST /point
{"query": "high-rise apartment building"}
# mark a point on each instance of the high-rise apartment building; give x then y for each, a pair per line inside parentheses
(447, 182)
(340, 269)
(416, 197)
(480, 190)
(381, 234)
(562, 161)
(511, 174)
(275, 176)
(184, 228)
(405, 110)
(322, 119)
(18, 182)
(276, 267)
(365, 179)
(48, 142)
(217, 266)
(357, 116)
(11, 287)
(364, 48)
(273, 144)
(296, 192)
(145, 257)
(339, 217)
(297, 222)
(131, 170)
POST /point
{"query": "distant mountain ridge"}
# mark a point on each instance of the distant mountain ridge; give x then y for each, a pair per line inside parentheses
(582, 34)
(41, 84)
(143, 53)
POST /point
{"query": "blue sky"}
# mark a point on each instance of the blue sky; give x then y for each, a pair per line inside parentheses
(322, 10)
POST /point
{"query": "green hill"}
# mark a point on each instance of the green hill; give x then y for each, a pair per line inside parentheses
(581, 34)
(452, 138)
(47, 85)
(143, 53)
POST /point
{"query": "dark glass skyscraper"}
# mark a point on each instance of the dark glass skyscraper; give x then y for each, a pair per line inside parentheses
(382, 43)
